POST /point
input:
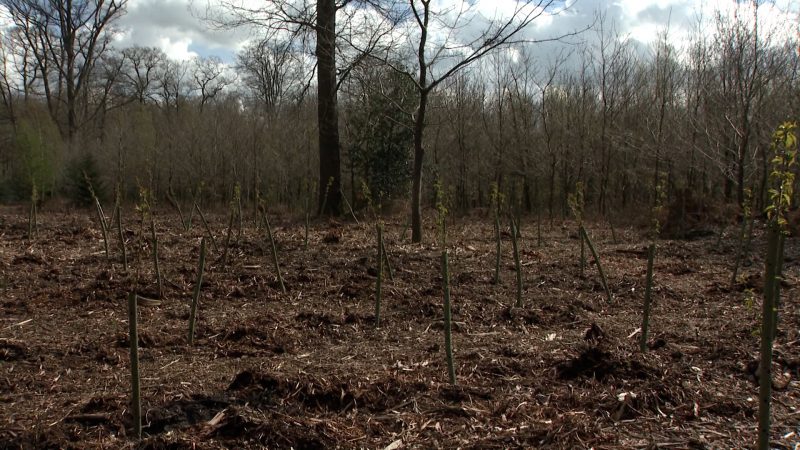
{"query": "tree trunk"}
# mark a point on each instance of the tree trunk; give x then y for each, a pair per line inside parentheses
(327, 110)
(416, 183)
(419, 128)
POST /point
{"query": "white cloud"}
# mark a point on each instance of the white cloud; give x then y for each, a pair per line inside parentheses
(177, 50)
(176, 28)
(174, 25)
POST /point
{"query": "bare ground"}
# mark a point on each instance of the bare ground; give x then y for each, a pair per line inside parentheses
(308, 369)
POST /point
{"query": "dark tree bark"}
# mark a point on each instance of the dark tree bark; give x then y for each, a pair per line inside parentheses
(330, 172)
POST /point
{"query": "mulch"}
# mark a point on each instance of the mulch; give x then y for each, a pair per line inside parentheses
(308, 369)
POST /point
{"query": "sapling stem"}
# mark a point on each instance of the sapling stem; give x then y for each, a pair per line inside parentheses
(583, 251)
(32, 220)
(305, 237)
(379, 279)
(228, 240)
(274, 252)
(777, 285)
(387, 264)
(239, 214)
(744, 238)
(651, 253)
(497, 243)
(133, 337)
(767, 336)
(404, 231)
(205, 225)
(190, 219)
(539, 241)
(597, 261)
(177, 206)
(576, 203)
(325, 196)
(103, 226)
(613, 232)
(448, 334)
(517, 265)
(784, 147)
(349, 207)
(720, 234)
(114, 217)
(196, 294)
(121, 238)
(156, 267)
(101, 216)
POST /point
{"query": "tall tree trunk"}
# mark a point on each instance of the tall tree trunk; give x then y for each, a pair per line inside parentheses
(419, 128)
(416, 183)
(330, 173)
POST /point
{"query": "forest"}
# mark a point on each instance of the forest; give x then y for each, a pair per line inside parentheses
(400, 223)
(606, 111)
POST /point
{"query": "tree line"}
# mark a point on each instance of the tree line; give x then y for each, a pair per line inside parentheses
(357, 102)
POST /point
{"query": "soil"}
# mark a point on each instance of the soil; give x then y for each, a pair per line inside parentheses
(308, 369)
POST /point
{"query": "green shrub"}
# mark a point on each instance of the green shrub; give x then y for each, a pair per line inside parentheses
(37, 145)
(380, 144)
(76, 187)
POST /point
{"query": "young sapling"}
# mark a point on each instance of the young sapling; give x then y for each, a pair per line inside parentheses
(651, 254)
(207, 228)
(497, 202)
(274, 249)
(517, 264)
(784, 148)
(448, 335)
(133, 339)
(379, 278)
(196, 293)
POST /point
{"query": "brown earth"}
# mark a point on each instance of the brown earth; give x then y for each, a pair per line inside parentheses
(308, 369)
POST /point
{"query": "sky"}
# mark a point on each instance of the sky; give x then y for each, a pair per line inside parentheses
(177, 27)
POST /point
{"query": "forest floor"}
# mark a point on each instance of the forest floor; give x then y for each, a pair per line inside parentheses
(308, 368)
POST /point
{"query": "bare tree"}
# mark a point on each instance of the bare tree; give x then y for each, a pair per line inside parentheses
(208, 74)
(140, 67)
(265, 68)
(297, 21)
(611, 71)
(66, 37)
(172, 84)
(436, 61)
(7, 84)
